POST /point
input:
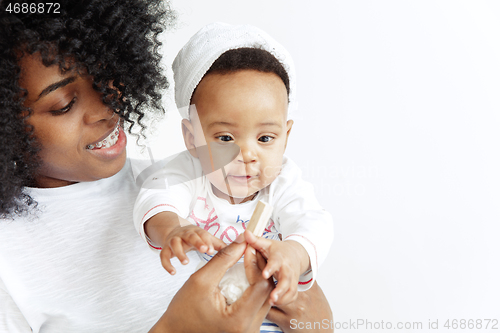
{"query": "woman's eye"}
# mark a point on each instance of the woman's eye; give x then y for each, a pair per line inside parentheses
(64, 109)
(266, 138)
(225, 138)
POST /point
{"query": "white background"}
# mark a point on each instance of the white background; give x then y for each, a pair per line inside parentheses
(398, 129)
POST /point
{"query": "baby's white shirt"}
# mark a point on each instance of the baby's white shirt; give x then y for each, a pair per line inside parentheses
(296, 215)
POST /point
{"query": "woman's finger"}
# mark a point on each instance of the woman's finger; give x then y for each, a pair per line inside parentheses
(260, 244)
(253, 302)
(220, 263)
(252, 269)
(278, 317)
(218, 244)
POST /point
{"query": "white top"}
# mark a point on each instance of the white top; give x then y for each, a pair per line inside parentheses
(296, 215)
(79, 265)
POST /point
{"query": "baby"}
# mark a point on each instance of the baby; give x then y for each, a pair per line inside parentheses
(234, 85)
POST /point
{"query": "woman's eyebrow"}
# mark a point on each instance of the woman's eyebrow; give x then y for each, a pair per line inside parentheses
(56, 85)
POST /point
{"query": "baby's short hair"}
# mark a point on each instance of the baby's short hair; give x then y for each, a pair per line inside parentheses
(225, 48)
(248, 58)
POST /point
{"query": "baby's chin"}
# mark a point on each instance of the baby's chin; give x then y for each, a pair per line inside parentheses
(236, 195)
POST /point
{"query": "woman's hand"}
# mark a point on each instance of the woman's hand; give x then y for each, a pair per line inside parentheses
(200, 307)
(310, 307)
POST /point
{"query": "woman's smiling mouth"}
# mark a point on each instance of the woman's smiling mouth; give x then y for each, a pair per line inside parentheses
(110, 147)
(108, 141)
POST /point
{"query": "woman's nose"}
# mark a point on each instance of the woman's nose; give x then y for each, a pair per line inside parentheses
(101, 113)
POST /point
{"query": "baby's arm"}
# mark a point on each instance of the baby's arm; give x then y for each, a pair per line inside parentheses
(176, 236)
(164, 199)
(298, 216)
(286, 260)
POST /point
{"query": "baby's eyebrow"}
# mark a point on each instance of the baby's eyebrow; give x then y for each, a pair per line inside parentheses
(271, 123)
(223, 123)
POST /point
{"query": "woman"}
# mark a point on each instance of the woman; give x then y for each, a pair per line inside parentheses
(71, 79)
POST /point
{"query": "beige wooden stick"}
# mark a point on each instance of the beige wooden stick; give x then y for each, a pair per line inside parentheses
(259, 219)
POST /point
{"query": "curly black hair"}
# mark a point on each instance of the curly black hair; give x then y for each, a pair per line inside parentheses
(244, 58)
(113, 41)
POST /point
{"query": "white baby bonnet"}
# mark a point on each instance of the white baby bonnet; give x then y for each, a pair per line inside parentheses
(208, 44)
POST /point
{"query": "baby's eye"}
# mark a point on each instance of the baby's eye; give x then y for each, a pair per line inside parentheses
(266, 138)
(225, 138)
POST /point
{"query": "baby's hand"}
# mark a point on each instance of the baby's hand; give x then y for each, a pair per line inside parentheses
(286, 261)
(186, 238)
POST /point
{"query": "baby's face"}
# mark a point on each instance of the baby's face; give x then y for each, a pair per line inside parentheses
(247, 108)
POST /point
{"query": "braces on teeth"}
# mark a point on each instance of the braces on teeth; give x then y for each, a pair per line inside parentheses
(107, 142)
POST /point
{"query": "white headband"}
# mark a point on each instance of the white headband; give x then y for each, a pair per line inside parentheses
(208, 44)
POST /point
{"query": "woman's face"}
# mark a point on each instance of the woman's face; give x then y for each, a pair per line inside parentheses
(81, 138)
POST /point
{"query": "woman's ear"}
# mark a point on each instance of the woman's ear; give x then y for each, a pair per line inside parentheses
(289, 125)
(188, 133)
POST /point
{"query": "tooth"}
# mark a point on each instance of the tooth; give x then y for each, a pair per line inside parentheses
(108, 141)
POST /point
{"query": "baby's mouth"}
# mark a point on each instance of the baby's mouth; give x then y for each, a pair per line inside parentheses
(242, 178)
(108, 141)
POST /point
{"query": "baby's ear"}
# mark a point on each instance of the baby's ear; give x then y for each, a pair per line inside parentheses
(188, 133)
(289, 125)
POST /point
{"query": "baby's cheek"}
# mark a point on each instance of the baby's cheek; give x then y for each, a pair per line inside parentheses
(271, 172)
(216, 178)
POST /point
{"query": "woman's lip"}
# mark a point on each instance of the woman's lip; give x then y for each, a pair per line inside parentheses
(105, 135)
(113, 151)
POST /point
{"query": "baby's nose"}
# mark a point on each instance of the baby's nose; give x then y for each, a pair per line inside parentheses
(247, 154)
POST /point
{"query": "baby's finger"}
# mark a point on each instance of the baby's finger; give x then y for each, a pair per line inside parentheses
(273, 265)
(213, 242)
(176, 244)
(289, 296)
(281, 289)
(195, 240)
(165, 256)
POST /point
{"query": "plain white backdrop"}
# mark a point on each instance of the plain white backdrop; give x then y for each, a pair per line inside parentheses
(398, 128)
